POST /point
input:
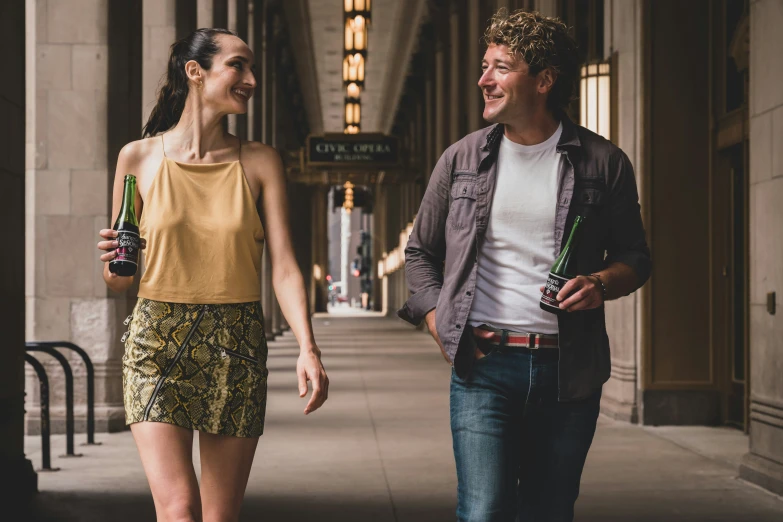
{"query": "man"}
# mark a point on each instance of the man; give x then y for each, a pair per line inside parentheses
(526, 384)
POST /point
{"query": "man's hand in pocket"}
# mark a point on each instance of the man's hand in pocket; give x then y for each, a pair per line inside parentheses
(481, 334)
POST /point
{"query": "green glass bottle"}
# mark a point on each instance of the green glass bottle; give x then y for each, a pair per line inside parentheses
(562, 271)
(127, 226)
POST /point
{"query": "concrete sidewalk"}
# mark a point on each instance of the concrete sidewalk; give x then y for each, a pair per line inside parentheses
(380, 450)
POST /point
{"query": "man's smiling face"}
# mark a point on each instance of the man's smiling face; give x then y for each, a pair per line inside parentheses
(510, 92)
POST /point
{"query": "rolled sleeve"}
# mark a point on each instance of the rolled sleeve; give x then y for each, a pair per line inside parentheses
(640, 263)
(419, 305)
(627, 241)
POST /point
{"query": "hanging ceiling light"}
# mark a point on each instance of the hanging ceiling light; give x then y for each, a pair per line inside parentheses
(357, 21)
(354, 8)
(353, 70)
(348, 199)
(355, 35)
(353, 112)
(353, 91)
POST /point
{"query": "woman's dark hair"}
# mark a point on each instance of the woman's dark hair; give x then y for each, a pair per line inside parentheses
(200, 45)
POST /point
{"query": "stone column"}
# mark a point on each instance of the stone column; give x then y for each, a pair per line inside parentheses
(160, 31)
(620, 392)
(274, 86)
(267, 294)
(473, 93)
(231, 119)
(763, 464)
(18, 481)
(265, 122)
(547, 7)
(238, 22)
(67, 190)
(456, 73)
(204, 13)
(429, 127)
(251, 42)
(441, 95)
(378, 245)
(232, 26)
(277, 315)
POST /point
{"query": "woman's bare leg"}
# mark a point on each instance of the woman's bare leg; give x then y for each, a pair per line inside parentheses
(167, 456)
(225, 468)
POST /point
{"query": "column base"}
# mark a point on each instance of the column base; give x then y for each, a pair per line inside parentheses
(18, 483)
(625, 412)
(108, 419)
(763, 472)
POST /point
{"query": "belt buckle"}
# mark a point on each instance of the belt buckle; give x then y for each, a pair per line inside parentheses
(531, 341)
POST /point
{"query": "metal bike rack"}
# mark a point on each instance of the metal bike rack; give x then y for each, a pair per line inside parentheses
(46, 451)
(69, 423)
(90, 382)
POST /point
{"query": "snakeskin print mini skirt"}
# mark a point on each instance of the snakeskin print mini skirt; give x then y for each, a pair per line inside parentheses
(201, 367)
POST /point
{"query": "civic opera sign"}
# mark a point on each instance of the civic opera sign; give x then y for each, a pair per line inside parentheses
(353, 152)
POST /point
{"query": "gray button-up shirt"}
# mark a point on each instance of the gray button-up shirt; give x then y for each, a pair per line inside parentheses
(596, 179)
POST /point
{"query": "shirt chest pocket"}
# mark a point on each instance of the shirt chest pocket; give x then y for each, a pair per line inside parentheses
(462, 212)
(590, 198)
(590, 202)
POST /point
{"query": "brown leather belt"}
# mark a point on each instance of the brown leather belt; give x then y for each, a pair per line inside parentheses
(531, 341)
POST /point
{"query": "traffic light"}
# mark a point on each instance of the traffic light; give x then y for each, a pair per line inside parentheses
(362, 198)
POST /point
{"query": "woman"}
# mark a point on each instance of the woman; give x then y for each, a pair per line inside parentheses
(195, 356)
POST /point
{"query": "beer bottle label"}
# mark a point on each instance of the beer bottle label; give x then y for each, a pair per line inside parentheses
(554, 284)
(129, 245)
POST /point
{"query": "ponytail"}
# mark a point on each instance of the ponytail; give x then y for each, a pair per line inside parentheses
(200, 46)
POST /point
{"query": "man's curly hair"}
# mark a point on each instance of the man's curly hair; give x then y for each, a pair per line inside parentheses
(542, 42)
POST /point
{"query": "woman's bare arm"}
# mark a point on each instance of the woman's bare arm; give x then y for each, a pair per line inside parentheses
(287, 279)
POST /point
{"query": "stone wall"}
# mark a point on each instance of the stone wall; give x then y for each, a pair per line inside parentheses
(764, 463)
(67, 195)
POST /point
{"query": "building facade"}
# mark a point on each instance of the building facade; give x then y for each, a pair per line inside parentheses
(694, 99)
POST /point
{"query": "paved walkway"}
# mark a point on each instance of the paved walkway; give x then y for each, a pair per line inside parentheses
(380, 451)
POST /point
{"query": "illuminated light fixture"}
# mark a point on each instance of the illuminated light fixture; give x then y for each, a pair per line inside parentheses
(353, 70)
(353, 91)
(355, 36)
(595, 96)
(356, 14)
(348, 199)
(353, 113)
(317, 272)
(354, 8)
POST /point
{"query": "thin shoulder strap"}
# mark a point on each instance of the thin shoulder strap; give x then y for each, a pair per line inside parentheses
(162, 144)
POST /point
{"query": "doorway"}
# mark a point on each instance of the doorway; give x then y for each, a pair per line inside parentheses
(730, 202)
(730, 239)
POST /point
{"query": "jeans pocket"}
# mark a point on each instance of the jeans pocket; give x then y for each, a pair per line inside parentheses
(484, 347)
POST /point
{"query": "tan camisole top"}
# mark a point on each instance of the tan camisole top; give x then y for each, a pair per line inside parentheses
(204, 235)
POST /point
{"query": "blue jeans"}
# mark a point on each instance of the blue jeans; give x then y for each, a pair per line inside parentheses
(519, 452)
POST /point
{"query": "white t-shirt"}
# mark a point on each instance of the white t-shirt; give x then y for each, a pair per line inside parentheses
(517, 252)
